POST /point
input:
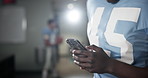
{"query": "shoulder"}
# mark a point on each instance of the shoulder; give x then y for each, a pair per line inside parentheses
(92, 5)
(98, 3)
(143, 19)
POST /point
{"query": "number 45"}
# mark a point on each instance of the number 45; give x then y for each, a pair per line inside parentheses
(116, 39)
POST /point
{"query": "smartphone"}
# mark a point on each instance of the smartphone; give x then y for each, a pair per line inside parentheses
(75, 44)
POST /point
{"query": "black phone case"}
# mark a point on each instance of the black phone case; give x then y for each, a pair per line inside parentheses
(75, 44)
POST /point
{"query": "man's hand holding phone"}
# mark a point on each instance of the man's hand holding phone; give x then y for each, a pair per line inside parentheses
(93, 59)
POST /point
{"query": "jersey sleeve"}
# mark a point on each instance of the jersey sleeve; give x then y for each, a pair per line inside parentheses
(143, 21)
(145, 16)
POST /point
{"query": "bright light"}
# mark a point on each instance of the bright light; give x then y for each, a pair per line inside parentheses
(73, 16)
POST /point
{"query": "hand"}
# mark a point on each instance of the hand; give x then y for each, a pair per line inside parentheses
(95, 60)
(59, 40)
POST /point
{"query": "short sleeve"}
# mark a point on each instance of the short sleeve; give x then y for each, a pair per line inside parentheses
(143, 20)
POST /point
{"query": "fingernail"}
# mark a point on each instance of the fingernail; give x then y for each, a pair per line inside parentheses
(73, 51)
(74, 61)
(93, 51)
(90, 50)
(73, 55)
(86, 46)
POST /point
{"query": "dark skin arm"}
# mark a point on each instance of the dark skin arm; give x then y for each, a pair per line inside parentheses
(99, 62)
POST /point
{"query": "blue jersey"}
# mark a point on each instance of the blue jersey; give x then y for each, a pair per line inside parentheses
(51, 34)
(48, 31)
(121, 29)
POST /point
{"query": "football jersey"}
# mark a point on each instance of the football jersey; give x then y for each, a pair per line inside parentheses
(52, 34)
(121, 29)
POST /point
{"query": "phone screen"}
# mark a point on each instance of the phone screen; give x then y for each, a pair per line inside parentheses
(75, 44)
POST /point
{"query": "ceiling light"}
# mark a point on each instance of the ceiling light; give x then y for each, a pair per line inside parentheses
(73, 15)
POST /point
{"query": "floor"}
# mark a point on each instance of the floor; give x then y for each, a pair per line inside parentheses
(66, 69)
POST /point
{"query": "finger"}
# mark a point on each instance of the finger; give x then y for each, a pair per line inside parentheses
(94, 48)
(72, 50)
(80, 52)
(76, 62)
(82, 68)
(83, 65)
(83, 59)
(78, 56)
(86, 65)
(91, 47)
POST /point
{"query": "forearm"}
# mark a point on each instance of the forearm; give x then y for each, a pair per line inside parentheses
(123, 70)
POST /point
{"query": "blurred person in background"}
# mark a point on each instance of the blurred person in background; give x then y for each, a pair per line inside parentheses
(118, 33)
(52, 40)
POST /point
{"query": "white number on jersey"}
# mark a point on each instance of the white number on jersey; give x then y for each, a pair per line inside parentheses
(112, 38)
